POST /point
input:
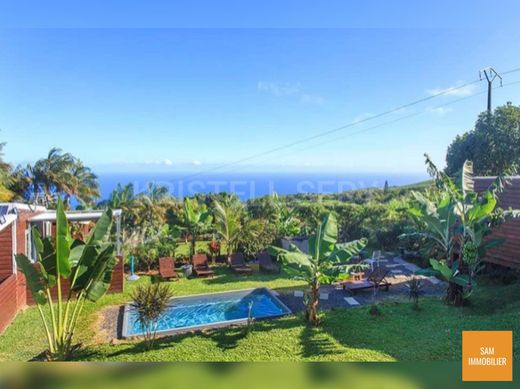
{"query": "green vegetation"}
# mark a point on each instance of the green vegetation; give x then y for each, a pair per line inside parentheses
(86, 265)
(5, 193)
(456, 220)
(493, 145)
(400, 333)
(326, 262)
(150, 301)
(195, 220)
(25, 338)
(57, 175)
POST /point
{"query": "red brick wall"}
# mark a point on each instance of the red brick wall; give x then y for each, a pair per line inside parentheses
(508, 253)
(8, 301)
(6, 252)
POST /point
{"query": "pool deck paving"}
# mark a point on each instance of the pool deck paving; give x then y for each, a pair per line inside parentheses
(400, 271)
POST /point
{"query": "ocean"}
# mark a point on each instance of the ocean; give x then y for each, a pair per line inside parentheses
(252, 185)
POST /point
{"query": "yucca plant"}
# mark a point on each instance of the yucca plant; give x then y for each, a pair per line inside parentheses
(149, 303)
(87, 265)
(326, 262)
(414, 285)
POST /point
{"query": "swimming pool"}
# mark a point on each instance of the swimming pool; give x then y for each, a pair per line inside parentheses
(209, 311)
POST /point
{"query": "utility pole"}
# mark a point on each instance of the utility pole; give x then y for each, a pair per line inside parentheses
(490, 74)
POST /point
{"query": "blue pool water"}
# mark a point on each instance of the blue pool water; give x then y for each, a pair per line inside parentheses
(195, 312)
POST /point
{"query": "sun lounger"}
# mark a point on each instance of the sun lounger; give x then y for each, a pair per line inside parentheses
(266, 263)
(376, 279)
(238, 264)
(167, 268)
(200, 266)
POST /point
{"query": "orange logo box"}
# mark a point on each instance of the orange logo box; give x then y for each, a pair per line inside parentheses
(487, 356)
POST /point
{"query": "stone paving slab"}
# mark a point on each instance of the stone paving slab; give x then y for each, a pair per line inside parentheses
(351, 301)
(400, 273)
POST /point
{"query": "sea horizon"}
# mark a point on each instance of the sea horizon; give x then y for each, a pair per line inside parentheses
(250, 185)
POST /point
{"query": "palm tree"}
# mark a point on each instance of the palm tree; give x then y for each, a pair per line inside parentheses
(83, 185)
(228, 216)
(149, 208)
(59, 174)
(195, 220)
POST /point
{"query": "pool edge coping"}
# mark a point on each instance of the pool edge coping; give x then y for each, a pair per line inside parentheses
(201, 327)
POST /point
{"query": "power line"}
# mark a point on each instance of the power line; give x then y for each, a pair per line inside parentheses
(337, 129)
(328, 132)
(394, 120)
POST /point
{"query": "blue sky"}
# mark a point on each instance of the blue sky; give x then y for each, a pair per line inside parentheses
(179, 99)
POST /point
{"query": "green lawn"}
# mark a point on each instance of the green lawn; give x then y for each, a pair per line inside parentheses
(400, 333)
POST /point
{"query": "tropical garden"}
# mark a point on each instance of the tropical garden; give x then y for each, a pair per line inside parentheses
(442, 225)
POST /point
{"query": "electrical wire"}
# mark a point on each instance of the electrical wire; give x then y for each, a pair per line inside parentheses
(349, 125)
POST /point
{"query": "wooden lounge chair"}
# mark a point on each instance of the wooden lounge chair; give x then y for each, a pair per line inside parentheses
(266, 263)
(167, 268)
(200, 266)
(238, 264)
(376, 279)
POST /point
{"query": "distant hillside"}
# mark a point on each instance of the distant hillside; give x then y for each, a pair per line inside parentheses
(417, 185)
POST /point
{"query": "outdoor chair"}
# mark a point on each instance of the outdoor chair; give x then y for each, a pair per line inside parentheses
(201, 267)
(375, 279)
(374, 261)
(266, 263)
(238, 264)
(167, 268)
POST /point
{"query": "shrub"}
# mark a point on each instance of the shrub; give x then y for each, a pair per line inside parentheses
(146, 255)
(150, 302)
(256, 237)
(414, 285)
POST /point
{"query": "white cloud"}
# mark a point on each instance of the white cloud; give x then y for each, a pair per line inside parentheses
(312, 99)
(454, 90)
(165, 162)
(439, 110)
(196, 162)
(279, 88)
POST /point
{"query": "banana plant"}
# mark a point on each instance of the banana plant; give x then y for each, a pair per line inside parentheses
(87, 265)
(459, 224)
(326, 261)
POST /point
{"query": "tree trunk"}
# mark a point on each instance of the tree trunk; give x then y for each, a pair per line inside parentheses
(312, 305)
(454, 294)
(192, 247)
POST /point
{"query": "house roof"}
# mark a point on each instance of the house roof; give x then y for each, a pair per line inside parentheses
(23, 207)
(79, 216)
(6, 220)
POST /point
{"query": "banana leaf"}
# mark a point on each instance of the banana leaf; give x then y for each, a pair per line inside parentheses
(34, 278)
(101, 275)
(63, 267)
